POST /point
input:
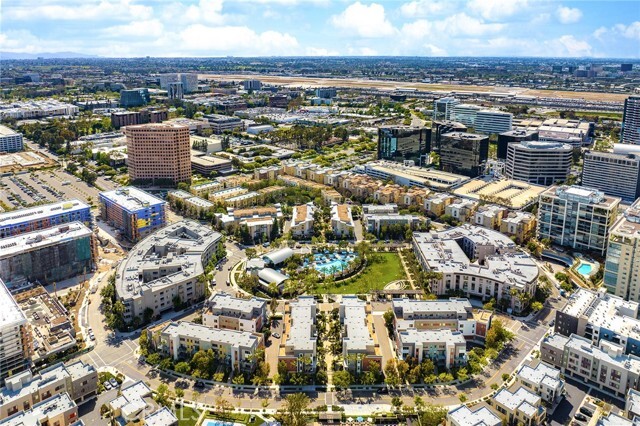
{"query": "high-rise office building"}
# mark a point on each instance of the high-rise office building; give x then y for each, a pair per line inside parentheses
(465, 114)
(443, 108)
(252, 84)
(16, 348)
(326, 92)
(490, 121)
(504, 139)
(189, 82)
(404, 143)
(631, 121)
(622, 268)
(10, 140)
(134, 97)
(159, 153)
(616, 174)
(175, 90)
(463, 153)
(541, 163)
(577, 217)
(165, 79)
(439, 128)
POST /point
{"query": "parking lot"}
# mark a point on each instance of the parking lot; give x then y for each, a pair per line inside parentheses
(46, 186)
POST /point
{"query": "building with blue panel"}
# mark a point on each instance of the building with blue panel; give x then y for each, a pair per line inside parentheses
(132, 211)
(41, 217)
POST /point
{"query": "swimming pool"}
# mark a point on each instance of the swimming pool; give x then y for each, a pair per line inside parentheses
(584, 269)
(330, 263)
(212, 422)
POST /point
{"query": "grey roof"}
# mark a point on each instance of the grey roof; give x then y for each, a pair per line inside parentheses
(213, 335)
(303, 316)
(41, 212)
(23, 243)
(226, 302)
(541, 373)
(355, 322)
(412, 335)
(483, 416)
(269, 276)
(48, 408)
(162, 417)
(131, 198)
(278, 256)
(433, 308)
(522, 400)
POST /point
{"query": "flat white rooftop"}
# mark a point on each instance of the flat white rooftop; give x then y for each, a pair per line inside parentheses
(209, 334)
(131, 198)
(463, 416)
(22, 243)
(10, 313)
(355, 322)
(6, 131)
(40, 212)
(303, 312)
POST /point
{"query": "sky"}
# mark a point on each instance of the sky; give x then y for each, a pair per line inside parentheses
(202, 28)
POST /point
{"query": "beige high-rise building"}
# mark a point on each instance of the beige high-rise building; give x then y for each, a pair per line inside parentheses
(159, 153)
(622, 268)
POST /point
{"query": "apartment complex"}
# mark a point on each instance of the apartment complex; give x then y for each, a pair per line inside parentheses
(576, 217)
(600, 167)
(490, 216)
(225, 311)
(541, 163)
(604, 365)
(631, 121)
(455, 314)
(298, 351)
(48, 255)
(460, 209)
(464, 416)
(258, 220)
(180, 340)
(463, 153)
(14, 334)
(159, 153)
(10, 140)
(444, 347)
(59, 410)
(521, 225)
(490, 121)
(404, 143)
(478, 262)
(601, 316)
(132, 211)
(359, 349)
(342, 221)
(45, 216)
(25, 390)
(543, 380)
(302, 220)
(521, 406)
(376, 219)
(166, 265)
(622, 267)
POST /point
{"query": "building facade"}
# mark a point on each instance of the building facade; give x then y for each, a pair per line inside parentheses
(463, 153)
(622, 267)
(492, 121)
(576, 217)
(45, 216)
(159, 153)
(225, 311)
(15, 335)
(631, 121)
(443, 108)
(540, 163)
(359, 349)
(10, 141)
(133, 212)
(404, 143)
(518, 135)
(445, 348)
(302, 220)
(134, 97)
(599, 167)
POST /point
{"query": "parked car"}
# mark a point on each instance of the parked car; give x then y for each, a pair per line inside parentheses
(586, 411)
(198, 384)
(107, 385)
(581, 417)
(113, 382)
(276, 335)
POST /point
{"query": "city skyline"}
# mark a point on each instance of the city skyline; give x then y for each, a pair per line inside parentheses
(128, 28)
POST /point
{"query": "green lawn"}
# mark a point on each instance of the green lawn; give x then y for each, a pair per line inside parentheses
(187, 416)
(374, 277)
(236, 418)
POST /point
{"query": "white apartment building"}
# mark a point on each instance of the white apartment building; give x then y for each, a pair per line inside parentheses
(181, 340)
(225, 311)
(358, 347)
(10, 140)
(542, 379)
(599, 167)
(521, 407)
(302, 220)
(622, 268)
(497, 266)
(298, 351)
(342, 221)
(577, 217)
(445, 348)
(15, 335)
(465, 416)
(540, 163)
(492, 121)
(59, 410)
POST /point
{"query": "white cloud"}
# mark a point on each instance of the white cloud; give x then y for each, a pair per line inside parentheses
(148, 28)
(89, 10)
(568, 45)
(631, 31)
(426, 8)
(365, 21)
(236, 40)
(432, 50)
(496, 10)
(568, 15)
(320, 51)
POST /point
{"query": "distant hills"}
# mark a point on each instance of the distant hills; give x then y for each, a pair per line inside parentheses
(45, 55)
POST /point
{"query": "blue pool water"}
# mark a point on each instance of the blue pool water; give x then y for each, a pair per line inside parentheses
(211, 422)
(325, 263)
(584, 269)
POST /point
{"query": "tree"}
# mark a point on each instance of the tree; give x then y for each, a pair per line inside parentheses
(497, 336)
(144, 342)
(389, 319)
(433, 415)
(537, 306)
(163, 394)
(179, 393)
(238, 379)
(391, 374)
(293, 410)
(275, 230)
(462, 374)
(182, 368)
(342, 379)
(396, 402)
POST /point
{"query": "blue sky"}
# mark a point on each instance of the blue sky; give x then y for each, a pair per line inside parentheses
(129, 28)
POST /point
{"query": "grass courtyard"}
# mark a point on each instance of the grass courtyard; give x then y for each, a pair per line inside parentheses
(375, 276)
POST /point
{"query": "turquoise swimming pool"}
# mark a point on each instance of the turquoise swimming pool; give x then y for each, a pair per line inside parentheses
(330, 263)
(584, 269)
(212, 422)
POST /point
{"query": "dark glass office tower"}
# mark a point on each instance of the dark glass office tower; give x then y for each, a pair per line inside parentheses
(504, 139)
(402, 143)
(463, 153)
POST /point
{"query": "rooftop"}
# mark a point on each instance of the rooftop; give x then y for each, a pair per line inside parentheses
(511, 193)
(628, 224)
(607, 352)
(303, 316)
(6, 131)
(209, 334)
(521, 400)
(131, 198)
(483, 416)
(583, 195)
(41, 411)
(538, 372)
(177, 249)
(412, 335)
(412, 307)
(226, 302)
(40, 212)
(42, 238)
(357, 335)
(10, 313)
(162, 417)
